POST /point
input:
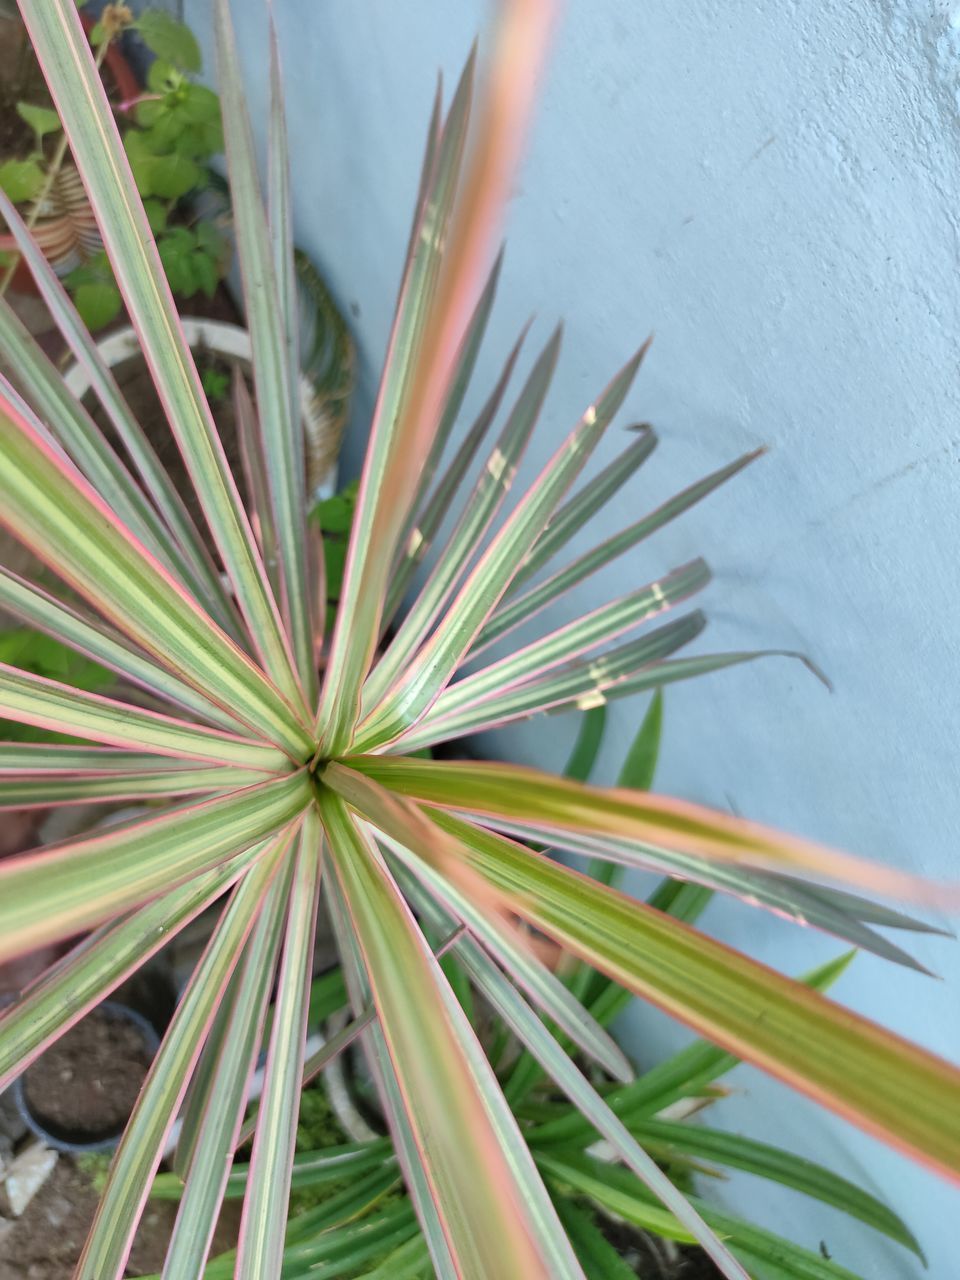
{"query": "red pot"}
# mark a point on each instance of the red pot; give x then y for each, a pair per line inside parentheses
(70, 236)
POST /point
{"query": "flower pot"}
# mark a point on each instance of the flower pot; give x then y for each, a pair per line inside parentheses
(122, 352)
(66, 230)
(78, 1095)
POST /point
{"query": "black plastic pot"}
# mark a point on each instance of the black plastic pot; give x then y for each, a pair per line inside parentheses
(63, 1136)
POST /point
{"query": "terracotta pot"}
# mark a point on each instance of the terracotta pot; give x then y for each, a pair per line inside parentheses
(66, 229)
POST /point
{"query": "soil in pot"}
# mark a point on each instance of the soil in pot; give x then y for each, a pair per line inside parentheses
(85, 1085)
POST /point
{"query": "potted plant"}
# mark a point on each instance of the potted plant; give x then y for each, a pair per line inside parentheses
(171, 130)
(285, 785)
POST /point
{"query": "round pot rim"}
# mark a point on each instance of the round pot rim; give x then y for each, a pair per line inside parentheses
(222, 337)
(118, 1012)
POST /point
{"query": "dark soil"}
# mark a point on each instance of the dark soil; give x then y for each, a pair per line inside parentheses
(653, 1260)
(45, 1244)
(86, 1084)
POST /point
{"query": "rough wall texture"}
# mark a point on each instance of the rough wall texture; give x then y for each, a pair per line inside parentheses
(775, 189)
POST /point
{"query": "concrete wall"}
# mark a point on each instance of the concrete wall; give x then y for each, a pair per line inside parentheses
(775, 189)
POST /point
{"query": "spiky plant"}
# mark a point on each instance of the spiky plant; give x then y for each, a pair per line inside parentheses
(286, 776)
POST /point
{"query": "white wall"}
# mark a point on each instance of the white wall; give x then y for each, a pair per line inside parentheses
(774, 187)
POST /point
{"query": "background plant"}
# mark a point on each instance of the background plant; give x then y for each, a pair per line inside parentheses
(280, 775)
(170, 136)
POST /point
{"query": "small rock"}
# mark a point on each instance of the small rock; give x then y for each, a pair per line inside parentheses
(24, 1178)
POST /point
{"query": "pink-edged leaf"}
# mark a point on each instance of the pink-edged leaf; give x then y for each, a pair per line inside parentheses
(100, 963)
(426, 522)
(902, 1094)
(74, 83)
(495, 1214)
(65, 888)
(38, 608)
(128, 1183)
(478, 514)
(548, 807)
(49, 704)
(225, 1096)
(431, 670)
(262, 1227)
(63, 521)
(401, 434)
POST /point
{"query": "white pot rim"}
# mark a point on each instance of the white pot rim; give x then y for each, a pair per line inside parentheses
(230, 340)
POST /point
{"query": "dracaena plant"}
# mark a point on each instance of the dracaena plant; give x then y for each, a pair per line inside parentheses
(285, 784)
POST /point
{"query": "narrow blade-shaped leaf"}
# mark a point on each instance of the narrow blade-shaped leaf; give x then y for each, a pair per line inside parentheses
(581, 685)
(496, 1216)
(262, 250)
(37, 700)
(525, 1024)
(737, 1152)
(477, 515)
(841, 1060)
(426, 675)
(66, 524)
(41, 792)
(426, 525)
(225, 1098)
(196, 562)
(401, 435)
(262, 1227)
(97, 965)
(569, 642)
(37, 608)
(405, 839)
(523, 607)
(141, 1148)
(547, 807)
(75, 86)
(594, 495)
(65, 888)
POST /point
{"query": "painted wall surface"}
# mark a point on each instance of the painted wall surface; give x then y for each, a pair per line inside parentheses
(774, 188)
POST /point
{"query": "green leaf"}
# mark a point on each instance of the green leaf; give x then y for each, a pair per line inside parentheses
(843, 1061)
(156, 212)
(98, 304)
(583, 757)
(97, 965)
(224, 1098)
(764, 1161)
(268, 1188)
(274, 363)
(162, 77)
(61, 47)
(640, 765)
(141, 1147)
(497, 1216)
(70, 887)
(196, 564)
(172, 176)
(21, 179)
(169, 39)
(40, 119)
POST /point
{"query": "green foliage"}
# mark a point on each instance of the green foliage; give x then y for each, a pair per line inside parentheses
(334, 517)
(42, 120)
(215, 383)
(169, 39)
(170, 136)
(95, 292)
(21, 179)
